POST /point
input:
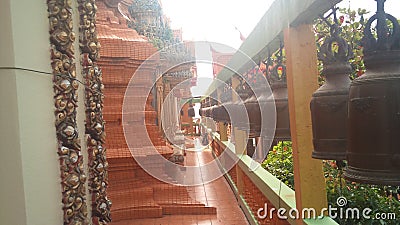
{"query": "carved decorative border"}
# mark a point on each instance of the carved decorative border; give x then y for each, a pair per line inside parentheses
(94, 127)
(65, 85)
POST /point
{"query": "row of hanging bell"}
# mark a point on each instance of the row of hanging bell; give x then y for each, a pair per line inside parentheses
(213, 103)
(203, 106)
(277, 79)
(235, 109)
(360, 120)
(208, 106)
(279, 98)
(373, 152)
(220, 113)
(253, 113)
(191, 111)
(329, 103)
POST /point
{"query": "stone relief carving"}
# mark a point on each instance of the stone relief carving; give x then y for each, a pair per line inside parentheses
(73, 176)
(94, 127)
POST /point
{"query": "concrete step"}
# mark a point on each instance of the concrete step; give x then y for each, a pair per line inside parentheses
(140, 212)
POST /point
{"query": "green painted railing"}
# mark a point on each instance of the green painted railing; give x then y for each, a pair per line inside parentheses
(278, 193)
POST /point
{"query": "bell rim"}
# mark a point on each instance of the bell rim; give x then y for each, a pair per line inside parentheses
(382, 177)
(329, 156)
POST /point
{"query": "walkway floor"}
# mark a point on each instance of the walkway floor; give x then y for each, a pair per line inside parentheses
(217, 194)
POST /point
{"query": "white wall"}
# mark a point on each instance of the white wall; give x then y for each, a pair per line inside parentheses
(30, 189)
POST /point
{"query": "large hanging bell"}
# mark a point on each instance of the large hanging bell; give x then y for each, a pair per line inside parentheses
(250, 108)
(254, 106)
(213, 106)
(191, 111)
(209, 105)
(374, 107)
(205, 107)
(250, 148)
(329, 102)
(237, 110)
(280, 96)
(220, 113)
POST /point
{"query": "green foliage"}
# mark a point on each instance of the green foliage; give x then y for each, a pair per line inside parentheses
(148, 20)
(351, 24)
(279, 163)
(380, 199)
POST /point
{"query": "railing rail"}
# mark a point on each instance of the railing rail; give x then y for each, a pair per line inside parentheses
(265, 187)
(287, 22)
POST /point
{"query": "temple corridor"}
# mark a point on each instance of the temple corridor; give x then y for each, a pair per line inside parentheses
(112, 113)
(216, 194)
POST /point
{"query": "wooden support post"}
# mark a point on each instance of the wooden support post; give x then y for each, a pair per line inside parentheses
(160, 101)
(223, 131)
(240, 143)
(221, 126)
(302, 77)
(240, 136)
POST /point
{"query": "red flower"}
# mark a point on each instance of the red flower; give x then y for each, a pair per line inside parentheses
(341, 18)
(280, 71)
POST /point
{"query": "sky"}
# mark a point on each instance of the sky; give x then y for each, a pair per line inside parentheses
(215, 21)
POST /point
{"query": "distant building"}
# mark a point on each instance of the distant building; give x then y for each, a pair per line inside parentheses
(220, 59)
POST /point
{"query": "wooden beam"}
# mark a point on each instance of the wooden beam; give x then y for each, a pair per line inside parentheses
(302, 77)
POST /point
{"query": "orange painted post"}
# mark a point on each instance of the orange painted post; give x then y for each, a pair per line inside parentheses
(302, 81)
(223, 133)
(240, 143)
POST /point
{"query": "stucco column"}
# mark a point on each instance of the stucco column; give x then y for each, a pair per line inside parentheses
(29, 166)
(160, 101)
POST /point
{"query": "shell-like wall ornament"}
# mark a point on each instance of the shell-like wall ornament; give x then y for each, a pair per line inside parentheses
(88, 35)
(73, 176)
(94, 127)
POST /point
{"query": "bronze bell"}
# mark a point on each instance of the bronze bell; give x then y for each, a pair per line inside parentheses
(208, 108)
(277, 78)
(250, 148)
(226, 99)
(211, 105)
(220, 113)
(238, 108)
(251, 103)
(329, 103)
(215, 112)
(191, 111)
(253, 106)
(255, 103)
(203, 107)
(374, 107)
(212, 111)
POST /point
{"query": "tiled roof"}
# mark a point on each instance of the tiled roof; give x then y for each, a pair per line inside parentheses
(116, 38)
